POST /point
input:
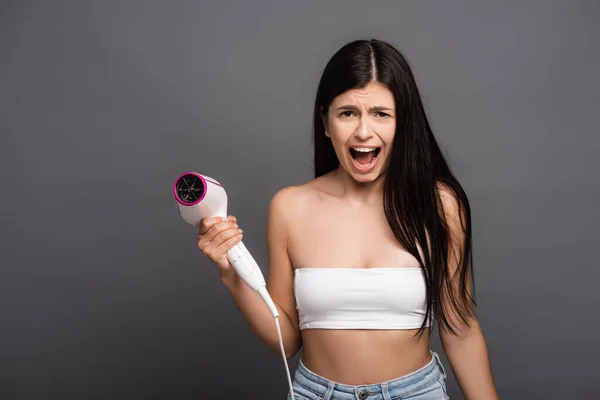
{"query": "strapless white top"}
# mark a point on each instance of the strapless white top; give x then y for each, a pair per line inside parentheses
(360, 298)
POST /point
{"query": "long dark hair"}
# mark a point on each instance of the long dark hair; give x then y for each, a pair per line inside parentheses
(417, 170)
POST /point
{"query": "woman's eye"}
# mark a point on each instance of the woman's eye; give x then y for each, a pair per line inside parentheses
(346, 113)
(381, 114)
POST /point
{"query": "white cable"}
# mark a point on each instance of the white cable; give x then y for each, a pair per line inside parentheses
(287, 369)
(271, 305)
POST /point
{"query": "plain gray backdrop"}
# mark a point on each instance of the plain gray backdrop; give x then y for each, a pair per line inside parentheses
(103, 292)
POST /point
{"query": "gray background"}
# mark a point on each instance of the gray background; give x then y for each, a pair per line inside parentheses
(103, 293)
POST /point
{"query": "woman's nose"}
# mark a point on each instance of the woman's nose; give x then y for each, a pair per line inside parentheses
(363, 131)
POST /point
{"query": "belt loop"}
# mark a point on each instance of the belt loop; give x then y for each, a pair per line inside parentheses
(385, 391)
(437, 358)
(329, 392)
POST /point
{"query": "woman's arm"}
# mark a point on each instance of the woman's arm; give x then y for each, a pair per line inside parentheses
(279, 285)
(468, 356)
(465, 349)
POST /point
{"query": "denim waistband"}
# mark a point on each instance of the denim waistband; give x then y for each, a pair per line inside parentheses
(401, 386)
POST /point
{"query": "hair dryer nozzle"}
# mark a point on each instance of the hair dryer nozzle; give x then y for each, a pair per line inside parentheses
(189, 188)
(199, 196)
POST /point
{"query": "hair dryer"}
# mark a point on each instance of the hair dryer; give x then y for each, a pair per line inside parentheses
(199, 196)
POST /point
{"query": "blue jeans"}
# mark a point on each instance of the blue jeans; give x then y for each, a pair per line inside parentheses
(426, 383)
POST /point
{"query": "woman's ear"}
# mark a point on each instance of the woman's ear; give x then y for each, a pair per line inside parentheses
(324, 121)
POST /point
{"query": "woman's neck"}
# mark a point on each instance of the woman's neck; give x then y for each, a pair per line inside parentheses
(360, 193)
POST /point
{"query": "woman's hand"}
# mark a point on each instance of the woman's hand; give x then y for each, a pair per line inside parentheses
(216, 236)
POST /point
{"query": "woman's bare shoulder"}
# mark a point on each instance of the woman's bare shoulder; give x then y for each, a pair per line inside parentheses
(295, 200)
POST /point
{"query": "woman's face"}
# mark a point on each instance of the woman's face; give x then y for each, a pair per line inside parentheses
(361, 124)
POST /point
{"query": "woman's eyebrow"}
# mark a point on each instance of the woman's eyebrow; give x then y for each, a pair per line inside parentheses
(349, 107)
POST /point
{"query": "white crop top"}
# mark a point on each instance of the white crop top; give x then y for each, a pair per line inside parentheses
(360, 298)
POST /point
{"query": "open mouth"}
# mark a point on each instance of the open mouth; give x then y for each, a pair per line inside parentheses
(364, 157)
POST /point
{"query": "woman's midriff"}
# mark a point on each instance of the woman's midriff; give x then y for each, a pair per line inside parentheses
(361, 357)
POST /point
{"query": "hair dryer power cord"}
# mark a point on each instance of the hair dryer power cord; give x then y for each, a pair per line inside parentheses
(287, 369)
(262, 291)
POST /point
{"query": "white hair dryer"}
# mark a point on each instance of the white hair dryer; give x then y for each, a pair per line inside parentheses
(199, 196)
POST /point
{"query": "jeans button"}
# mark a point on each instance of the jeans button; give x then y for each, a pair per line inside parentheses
(363, 395)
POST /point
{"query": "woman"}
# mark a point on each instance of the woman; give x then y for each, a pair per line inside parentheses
(366, 257)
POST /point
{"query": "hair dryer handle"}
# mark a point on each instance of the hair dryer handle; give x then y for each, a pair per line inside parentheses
(246, 267)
